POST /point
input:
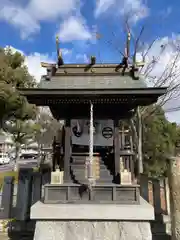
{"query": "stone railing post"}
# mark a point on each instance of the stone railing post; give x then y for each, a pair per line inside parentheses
(157, 196)
(144, 187)
(174, 185)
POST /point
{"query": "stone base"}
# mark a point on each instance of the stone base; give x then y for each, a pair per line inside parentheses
(86, 230)
(92, 221)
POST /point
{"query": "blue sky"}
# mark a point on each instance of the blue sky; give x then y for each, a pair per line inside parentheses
(31, 26)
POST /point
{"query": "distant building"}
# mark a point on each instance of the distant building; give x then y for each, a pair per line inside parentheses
(6, 143)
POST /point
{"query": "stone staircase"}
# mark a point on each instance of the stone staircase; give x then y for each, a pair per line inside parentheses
(78, 171)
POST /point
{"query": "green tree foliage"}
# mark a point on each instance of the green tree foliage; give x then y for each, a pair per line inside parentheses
(159, 138)
(13, 75)
(49, 129)
(22, 132)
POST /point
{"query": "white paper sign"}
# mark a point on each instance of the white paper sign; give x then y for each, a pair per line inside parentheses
(103, 132)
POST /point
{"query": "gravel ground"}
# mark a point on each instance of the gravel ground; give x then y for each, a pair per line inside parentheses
(3, 236)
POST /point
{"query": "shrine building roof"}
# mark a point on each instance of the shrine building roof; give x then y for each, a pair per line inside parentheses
(71, 88)
(100, 83)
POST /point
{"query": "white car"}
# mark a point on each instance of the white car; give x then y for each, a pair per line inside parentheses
(4, 158)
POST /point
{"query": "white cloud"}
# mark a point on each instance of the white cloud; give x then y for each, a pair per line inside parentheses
(33, 62)
(51, 9)
(135, 9)
(20, 19)
(28, 17)
(74, 28)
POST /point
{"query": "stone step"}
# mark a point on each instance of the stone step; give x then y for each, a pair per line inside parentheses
(82, 162)
(83, 158)
(82, 179)
(79, 166)
(98, 181)
(101, 174)
(101, 170)
(105, 170)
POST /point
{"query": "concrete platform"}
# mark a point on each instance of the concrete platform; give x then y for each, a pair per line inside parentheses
(141, 212)
(92, 221)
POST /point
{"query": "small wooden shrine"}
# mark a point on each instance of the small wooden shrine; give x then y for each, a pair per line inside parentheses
(96, 155)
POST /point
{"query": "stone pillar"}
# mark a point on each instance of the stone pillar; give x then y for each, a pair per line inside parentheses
(157, 196)
(167, 196)
(144, 187)
(174, 184)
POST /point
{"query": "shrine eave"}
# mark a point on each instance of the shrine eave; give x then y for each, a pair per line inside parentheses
(92, 92)
(43, 97)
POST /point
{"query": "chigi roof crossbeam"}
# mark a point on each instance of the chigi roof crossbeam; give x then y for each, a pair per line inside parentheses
(93, 68)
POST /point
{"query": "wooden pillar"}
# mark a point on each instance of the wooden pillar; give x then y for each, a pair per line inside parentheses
(117, 151)
(132, 160)
(67, 152)
(54, 155)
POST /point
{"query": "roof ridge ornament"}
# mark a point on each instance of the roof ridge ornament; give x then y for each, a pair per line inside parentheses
(60, 61)
(93, 60)
(125, 59)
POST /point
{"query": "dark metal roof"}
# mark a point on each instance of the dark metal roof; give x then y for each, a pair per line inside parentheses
(71, 87)
(92, 82)
(100, 83)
